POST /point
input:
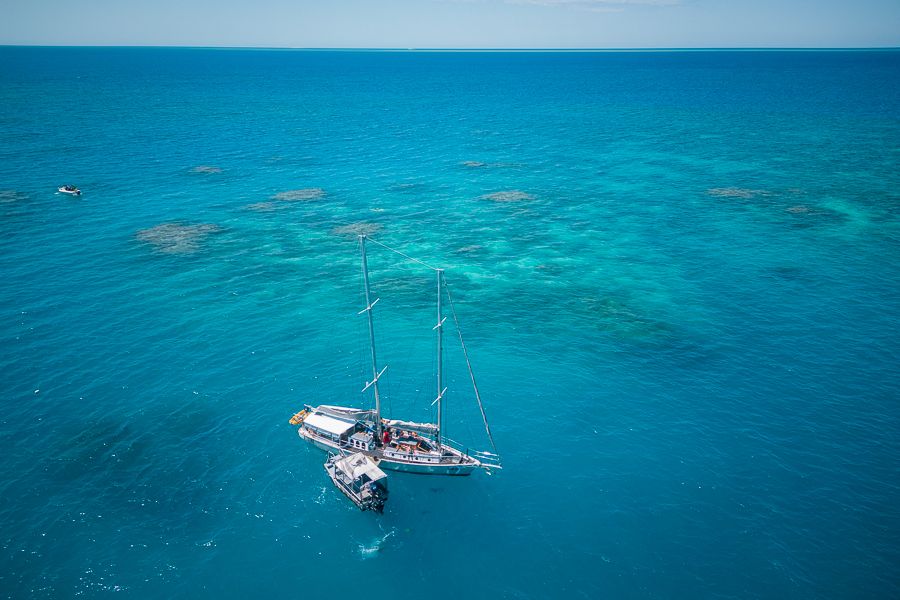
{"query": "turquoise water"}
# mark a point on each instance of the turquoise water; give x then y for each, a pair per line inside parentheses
(677, 274)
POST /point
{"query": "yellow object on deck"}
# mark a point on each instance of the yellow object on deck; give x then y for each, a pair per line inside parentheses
(298, 418)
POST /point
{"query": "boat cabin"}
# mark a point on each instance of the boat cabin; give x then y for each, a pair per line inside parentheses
(329, 428)
(362, 440)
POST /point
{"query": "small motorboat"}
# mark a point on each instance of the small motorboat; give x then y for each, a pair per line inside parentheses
(70, 189)
(360, 479)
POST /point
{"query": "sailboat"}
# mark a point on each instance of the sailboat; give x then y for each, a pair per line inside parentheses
(396, 444)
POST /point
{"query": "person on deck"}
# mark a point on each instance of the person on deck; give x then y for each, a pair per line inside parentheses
(386, 437)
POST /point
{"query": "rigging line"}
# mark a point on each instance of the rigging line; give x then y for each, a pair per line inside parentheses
(407, 256)
(469, 366)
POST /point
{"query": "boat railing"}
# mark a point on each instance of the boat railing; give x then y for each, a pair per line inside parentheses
(445, 441)
(488, 460)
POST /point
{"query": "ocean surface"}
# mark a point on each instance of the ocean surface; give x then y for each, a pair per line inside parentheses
(677, 274)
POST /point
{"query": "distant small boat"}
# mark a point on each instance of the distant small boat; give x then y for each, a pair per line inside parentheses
(70, 189)
(360, 479)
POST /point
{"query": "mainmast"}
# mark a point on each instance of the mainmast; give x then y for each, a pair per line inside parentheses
(375, 373)
(440, 355)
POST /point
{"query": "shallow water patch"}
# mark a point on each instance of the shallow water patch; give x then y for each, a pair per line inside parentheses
(299, 195)
(266, 206)
(208, 169)
(477, 164)
(360, 228)
(803, 215)
(409, 187)
(508, 196)
(624, 319)
(470, 249)
(736, 192)
(177, 238)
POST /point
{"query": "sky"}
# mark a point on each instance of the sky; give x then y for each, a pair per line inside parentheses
(567, 24)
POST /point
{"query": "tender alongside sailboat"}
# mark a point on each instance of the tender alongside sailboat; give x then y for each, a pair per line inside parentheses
(394, 444)
(360, 479)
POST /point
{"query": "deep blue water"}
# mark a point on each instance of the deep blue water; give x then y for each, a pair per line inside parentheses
(683, 315)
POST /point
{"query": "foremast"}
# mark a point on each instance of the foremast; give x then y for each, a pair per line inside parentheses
(376, 374)
(440, 355)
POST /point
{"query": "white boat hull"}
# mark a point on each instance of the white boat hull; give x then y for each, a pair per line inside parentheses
(420, 469)
(465, 466)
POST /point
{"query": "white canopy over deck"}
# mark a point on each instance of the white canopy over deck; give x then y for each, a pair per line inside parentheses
(328, 424)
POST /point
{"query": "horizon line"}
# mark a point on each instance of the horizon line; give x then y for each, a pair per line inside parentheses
(466, 49)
